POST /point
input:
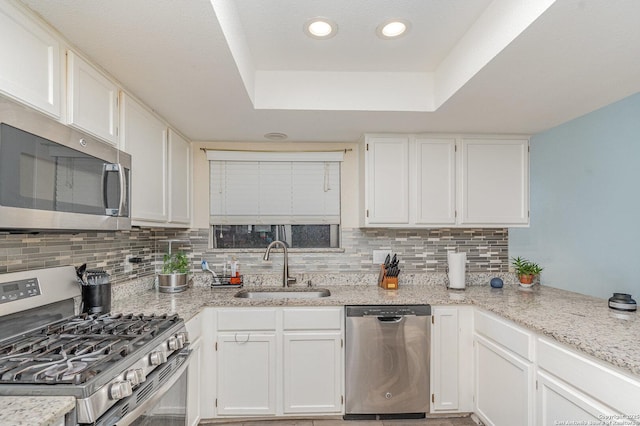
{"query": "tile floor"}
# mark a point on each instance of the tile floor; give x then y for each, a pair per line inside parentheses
(456, 421)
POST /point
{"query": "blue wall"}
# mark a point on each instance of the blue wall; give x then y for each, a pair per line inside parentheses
(585, 203)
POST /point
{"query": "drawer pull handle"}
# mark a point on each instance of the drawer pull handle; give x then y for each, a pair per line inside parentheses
(235, 337)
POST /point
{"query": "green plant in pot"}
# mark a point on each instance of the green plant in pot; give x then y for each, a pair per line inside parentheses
(174, 275)
(526, 270)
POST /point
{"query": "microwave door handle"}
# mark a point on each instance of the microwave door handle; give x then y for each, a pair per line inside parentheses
(103, 188)
(106, 169)
(123, 189)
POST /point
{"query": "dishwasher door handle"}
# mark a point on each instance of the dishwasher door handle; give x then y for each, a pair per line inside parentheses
(390, 319)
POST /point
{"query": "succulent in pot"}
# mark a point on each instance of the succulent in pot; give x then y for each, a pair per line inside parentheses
(526, 270)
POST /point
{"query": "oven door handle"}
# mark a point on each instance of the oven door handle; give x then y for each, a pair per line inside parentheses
(162, 390)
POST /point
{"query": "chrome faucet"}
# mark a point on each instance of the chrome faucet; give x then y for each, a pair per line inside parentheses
(286, 279)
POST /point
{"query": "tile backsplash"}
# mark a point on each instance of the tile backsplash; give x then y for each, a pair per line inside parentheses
(106, 250)
(419, 251)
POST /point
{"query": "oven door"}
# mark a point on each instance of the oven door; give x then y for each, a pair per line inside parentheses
(160, 400)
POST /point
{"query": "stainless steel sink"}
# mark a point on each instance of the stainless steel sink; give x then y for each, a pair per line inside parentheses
(283, 293)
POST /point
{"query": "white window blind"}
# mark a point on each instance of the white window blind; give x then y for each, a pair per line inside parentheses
(250, 188)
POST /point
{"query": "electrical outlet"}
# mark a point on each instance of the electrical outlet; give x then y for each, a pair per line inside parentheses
(128, 266)
(379, 256)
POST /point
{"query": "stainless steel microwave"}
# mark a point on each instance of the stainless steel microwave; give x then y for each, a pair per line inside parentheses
(53, 177)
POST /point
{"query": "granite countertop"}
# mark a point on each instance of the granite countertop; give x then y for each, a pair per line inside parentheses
(34, 411)
(583, 322)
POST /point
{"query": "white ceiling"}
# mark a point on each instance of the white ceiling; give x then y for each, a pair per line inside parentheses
(274, 33)
(236, 69)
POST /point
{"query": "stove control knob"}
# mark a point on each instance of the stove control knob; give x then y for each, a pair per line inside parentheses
(183, 338)
(172, 343)
(157, 358)
(135, 376)
(119, 390)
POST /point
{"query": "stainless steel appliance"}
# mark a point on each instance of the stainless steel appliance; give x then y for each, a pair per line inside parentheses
(55, 177)
(387, 361)
(122, 369)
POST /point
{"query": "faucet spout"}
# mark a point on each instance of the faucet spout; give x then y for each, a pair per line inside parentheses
(286, 279)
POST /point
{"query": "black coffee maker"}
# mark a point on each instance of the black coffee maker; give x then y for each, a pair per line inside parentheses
(96, 290)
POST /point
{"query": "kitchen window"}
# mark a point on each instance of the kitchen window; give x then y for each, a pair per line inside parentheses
(259, 197)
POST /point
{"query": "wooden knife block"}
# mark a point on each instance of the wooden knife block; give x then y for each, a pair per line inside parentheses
(388, 283)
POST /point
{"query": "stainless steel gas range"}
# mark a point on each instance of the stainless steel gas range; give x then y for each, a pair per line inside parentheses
(121, 368)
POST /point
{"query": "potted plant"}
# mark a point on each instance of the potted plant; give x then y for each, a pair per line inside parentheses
(174, 274)
(526, 270)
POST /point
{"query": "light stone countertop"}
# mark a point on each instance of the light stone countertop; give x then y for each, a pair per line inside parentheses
(34, 411)
(583, 322)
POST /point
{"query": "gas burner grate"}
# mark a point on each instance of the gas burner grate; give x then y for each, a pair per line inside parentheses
(77, 349)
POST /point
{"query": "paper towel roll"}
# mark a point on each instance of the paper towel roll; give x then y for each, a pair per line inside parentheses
(457, 266)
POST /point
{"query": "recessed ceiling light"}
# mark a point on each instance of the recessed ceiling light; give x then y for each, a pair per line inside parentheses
(392, 29)
(276, 136)
(320, 28)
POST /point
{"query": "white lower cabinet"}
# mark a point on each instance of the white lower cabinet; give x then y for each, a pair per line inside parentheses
(504, 385)
(312, 372)
(523, 378)
(246, 373)
(451, 359)
(558, 403)
(572, 386)
(279, 361)
(290, 362)
(504, 371)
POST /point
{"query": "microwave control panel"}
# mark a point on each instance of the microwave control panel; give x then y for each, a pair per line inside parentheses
(21, 289)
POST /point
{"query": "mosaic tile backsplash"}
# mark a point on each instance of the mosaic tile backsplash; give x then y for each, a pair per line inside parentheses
(420, 251)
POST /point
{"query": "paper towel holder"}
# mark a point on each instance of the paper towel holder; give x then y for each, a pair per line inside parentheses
(448, 280)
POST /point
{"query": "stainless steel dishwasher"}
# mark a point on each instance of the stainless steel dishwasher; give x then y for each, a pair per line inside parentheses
(387, 361)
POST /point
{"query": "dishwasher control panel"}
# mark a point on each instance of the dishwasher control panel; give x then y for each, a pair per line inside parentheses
(388, 310)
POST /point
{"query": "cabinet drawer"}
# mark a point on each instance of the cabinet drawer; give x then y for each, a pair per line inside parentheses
(605, 384)
(313, 318)
(247, 319)
(505, 333)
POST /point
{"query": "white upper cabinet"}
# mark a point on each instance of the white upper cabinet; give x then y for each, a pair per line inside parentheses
(145, 137)
(92, 100)
(179, 179)
(435, 170)
(420, 181)
(30, 65)
(494, 182)
(387, 180)
(161, 167)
